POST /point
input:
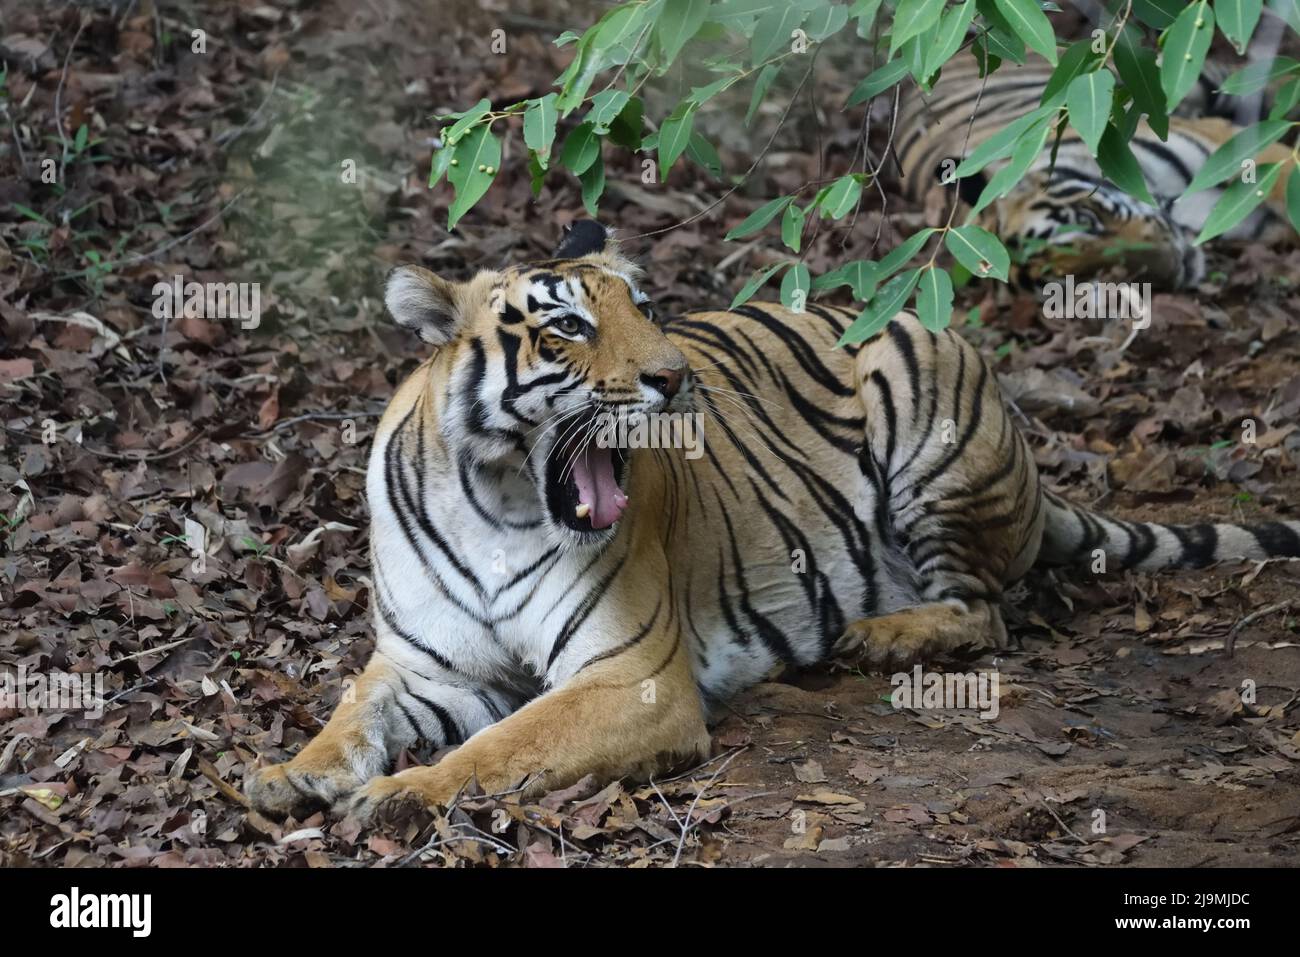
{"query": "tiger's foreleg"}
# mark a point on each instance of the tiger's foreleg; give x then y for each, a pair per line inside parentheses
(390, 707)
(356, 744)
(629, 713)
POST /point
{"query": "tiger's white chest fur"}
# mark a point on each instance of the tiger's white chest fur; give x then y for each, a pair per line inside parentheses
(464, 567)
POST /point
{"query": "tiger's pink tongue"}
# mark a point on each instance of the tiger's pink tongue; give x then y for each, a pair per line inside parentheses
(593, 473)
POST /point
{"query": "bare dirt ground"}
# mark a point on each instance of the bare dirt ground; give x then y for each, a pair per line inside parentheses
(1122, 736)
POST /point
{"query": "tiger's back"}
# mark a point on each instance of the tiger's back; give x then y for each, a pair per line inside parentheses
(1064, 202)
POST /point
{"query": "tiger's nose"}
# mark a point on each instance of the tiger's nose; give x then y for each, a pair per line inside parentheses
(667, 381)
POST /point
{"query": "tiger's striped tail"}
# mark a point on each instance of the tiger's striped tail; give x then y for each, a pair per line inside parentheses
(1072, 535)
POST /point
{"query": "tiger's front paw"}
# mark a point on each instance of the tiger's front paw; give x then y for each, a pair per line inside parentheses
(283, 790)
(419, 787)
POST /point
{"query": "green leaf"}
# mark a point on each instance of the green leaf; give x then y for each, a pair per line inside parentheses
(1079, 59)
(578, 76)
(467, 119)
(1238, 200)
(702, 94)
(979, 251)
(842, 197)
(1089, 98)
(581, 149)
(988, 63)
(911, 18)
(792, 226)
(620, 25)
(1031, 25)
(903, 253)
(79, 141)
(795, 285)
(860, 275)
(605, 108)
(1026, 152)
(760, 217)
(864, 11)
(914, 51)
(628, 126)
(773, 29)
(1158, 13)
(1186, 44)
(1227, 159)
(539, 126)
(1288, 10)
(878, 81)
(883, 307)
(1116, 159)
(1001, 45)
(1137, 68)
(1255, 77)
(592, 180)
(477, 148)
(1237, 20)
(761, 86)
(678, 21)
(952, 34)
(674, 134)
(1001, 143)
(701, 151)
(1293, 199)
(826, 22)
(1287, 97)
(934, 299)
(31, 213)
(756, 281)
(536, 173)
(441, 163)
(1126, 121)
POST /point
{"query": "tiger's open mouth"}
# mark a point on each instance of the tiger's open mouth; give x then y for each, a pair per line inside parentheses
(584, 483)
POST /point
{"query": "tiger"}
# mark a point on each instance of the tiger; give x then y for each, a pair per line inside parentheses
(556, 605)
(1064, 216)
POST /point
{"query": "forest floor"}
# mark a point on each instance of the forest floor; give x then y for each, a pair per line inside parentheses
(1122, 735)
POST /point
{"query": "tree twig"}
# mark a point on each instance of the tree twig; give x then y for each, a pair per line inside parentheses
(1230, 643)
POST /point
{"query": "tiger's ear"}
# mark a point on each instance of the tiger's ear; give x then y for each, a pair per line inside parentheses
(426, 304)
(582, 238)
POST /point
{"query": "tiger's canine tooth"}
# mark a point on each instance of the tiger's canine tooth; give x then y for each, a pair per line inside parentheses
(582, 511)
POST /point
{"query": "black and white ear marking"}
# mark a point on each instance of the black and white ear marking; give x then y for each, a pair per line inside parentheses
(422, 302)
(582, 238)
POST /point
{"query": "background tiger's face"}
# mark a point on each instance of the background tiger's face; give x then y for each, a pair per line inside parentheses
(1080, 228)
(536, 358)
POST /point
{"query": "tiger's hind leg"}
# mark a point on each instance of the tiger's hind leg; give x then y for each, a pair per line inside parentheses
(923, 632)
(953, 491)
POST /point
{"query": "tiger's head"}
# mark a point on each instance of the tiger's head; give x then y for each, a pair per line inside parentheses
(532, 357)
(1067, 225)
